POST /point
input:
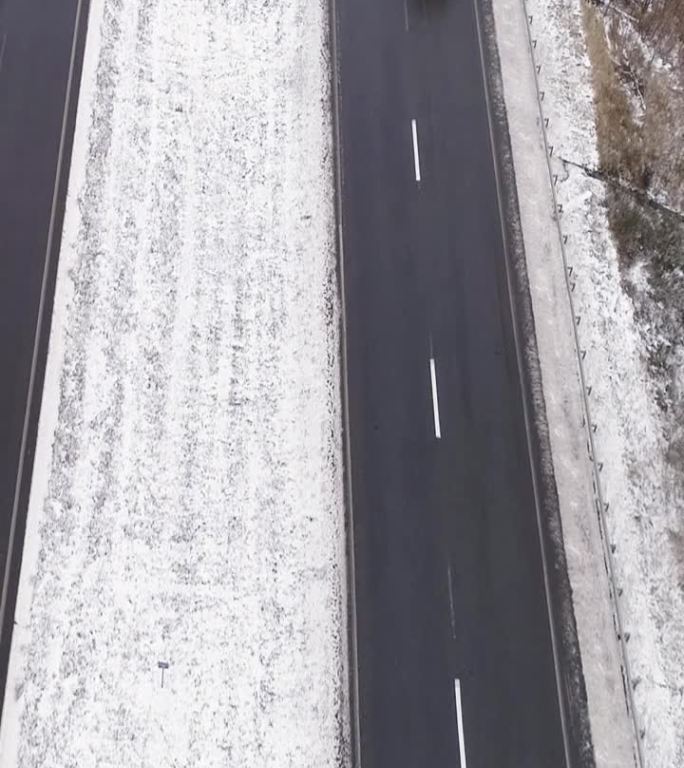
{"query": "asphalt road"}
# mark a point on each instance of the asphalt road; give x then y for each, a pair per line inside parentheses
(38, 40)
(453, 635)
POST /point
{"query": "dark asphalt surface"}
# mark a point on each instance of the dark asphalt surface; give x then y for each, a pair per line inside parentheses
(37, 37)
(425, 277)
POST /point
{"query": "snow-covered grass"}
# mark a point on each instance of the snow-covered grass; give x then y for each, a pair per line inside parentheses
(641, 485)
(187, 502)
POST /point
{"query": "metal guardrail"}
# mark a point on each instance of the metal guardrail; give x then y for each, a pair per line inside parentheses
(601, 506)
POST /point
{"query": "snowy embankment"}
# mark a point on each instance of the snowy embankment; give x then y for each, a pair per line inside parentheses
(642, 493)
(187, 503)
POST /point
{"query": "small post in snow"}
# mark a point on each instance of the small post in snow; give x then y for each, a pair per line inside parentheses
(162, 665)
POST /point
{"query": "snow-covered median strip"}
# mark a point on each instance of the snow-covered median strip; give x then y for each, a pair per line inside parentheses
(187, 502)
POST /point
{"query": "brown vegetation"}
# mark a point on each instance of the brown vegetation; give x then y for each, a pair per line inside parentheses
(636, 49)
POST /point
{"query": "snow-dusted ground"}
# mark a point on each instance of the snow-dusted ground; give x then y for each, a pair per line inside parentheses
(644, 497)
(187, 501)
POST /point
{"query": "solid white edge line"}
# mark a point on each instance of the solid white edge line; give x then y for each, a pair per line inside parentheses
(526, 412)
(435, 401)
(39, 322)
(416, 156)
(459, 720)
